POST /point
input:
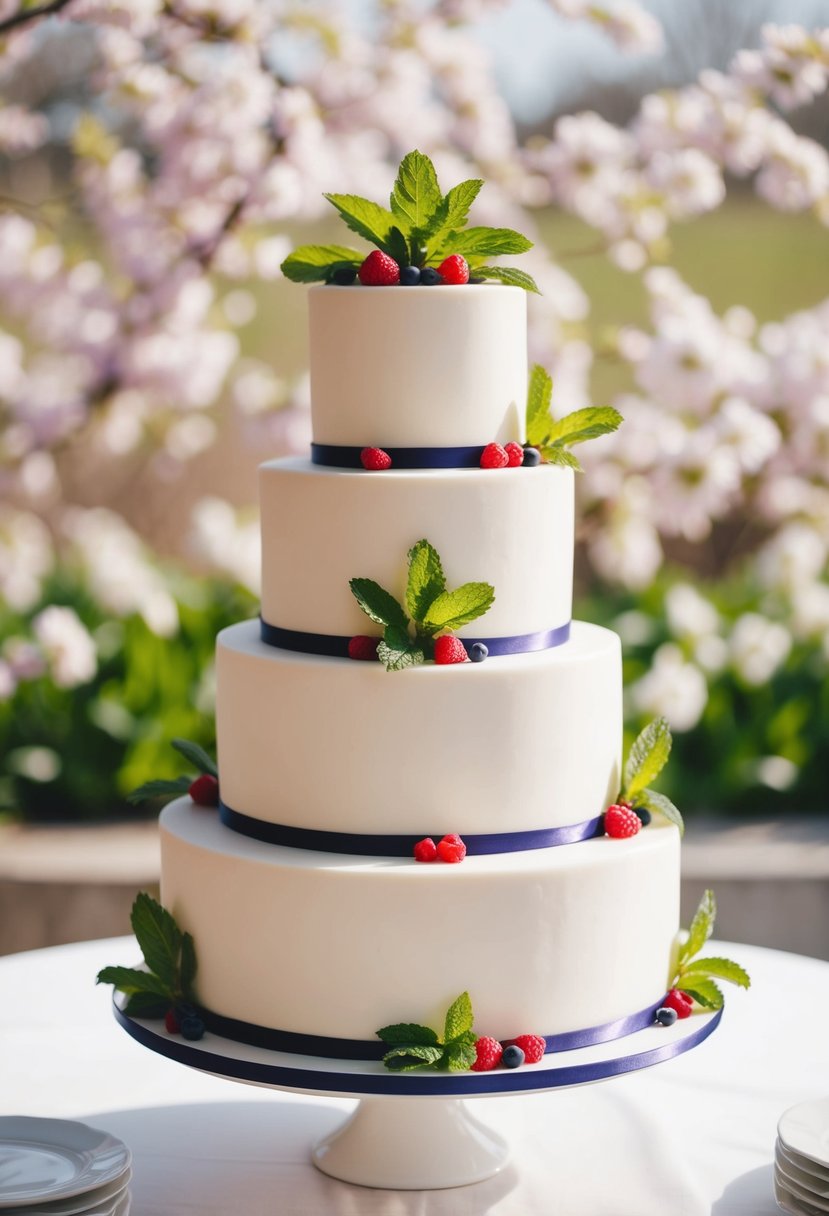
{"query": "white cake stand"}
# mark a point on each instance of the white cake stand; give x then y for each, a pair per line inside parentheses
(394, 1139)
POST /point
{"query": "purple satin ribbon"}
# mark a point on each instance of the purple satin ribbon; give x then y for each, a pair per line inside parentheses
(343, 457)
(336, 645)
(204, 1056)
(365, 844)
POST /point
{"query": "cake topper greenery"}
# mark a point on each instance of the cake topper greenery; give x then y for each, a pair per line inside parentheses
(422, 237)
(203, 789)
(555, 436)
(433, 610)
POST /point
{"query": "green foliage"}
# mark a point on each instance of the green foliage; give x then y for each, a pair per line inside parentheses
(647, 757)
(697, 976)
(169, 956)
(554, 436)
(414, 1047)
(316, 263)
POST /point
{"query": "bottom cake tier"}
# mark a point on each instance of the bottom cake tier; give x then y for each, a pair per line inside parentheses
(548, 941)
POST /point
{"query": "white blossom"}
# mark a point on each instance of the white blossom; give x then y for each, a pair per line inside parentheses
(673, 688)
(67, 645)
(758, 647)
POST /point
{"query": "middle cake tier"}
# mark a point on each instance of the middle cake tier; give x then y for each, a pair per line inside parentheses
(520, 743)
(321, 527)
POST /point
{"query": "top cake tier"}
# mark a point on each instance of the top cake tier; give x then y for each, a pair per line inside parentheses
(400, 367)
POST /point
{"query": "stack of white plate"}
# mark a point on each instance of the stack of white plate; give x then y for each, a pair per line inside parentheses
(801, 1159)
(57, 1167)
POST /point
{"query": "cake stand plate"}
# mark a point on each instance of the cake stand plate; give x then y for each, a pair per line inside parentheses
(394, 1139)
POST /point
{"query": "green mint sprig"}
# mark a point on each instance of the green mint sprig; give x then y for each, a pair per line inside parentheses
(698, 976)
(170, 959)
(554, 437)
(647, 757)
(421, 227)
(432, 608)
(162, 788)
(414, 1047)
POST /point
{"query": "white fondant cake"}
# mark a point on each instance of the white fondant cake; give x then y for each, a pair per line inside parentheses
(550, 939)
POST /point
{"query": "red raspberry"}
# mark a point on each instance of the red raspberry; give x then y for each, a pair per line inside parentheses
(451, 848)
(494, 457)
(374, 459)
(621, 821)
(454, 269)
(449, 649)
(205, 791)
(171, 1022)
(425, 850)
(360, 647)
(680, 1001)
(489, 1054)
(532, 1045)
(379, 270)
(515, 455)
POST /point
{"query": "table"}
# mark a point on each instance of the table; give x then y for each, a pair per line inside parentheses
(687, 1138)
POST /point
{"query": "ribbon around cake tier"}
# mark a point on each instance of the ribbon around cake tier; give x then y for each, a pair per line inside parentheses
(336, 645)
(365, 844)
(340, 456)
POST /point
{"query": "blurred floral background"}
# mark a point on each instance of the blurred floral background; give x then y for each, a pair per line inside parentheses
(159, 158)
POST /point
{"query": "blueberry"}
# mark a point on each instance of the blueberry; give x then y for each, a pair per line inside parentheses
(476, 278)
(430, 277)
(478, 652)
(665, 1016)
(513, 1057)
(192, 1027)
(344, 276)
(409, 276)
(643, 814)
(532, 457)
(185, 1010)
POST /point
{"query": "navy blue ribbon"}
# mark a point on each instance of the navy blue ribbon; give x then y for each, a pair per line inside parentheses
(208, 1056)
(366, 844)
(343, 457)
(336, 645)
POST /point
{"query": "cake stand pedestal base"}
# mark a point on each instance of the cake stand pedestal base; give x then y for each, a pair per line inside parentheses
(411, 1145)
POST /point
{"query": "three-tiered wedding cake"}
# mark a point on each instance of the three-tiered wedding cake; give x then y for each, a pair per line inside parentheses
(309, 912)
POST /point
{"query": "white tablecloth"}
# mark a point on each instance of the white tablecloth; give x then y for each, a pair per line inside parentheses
(686, 1138)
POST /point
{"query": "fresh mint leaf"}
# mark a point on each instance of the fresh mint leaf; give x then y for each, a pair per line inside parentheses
(702, 926)
(426, 579)
(581, 425)
(159, 939)
(459, 1017)
(159, 789)
(647, 757)
(403, 1033)
(397, 651)
(560, 456)
(652, 800)
(485, 242)
(412, 1056)
(460, 1054)
(416, 194)
(369, 220)
(131, 979)
(452, 609)
(509, 276)
(456, 203)
(539, 396)
(718, 968)
(146, 1005)
(315, 263)
(378, 604)
(705, 993)
(188, 965)
(197, 756)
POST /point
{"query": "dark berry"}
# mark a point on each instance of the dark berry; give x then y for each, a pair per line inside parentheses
(476, 278)
(478, 652)
(430, 277)
(532, 457)
(644, 815)
(344, 276)
(666, 1016)
(205, 790)
(410, 276)
(192, 1027)
(363, 648)
(513, 1057)
(171, 1022)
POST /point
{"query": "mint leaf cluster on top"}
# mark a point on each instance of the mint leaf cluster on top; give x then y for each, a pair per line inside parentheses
(636, 801)
(421, 238)
(431, 610)
(694, 979)
(553, 437)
